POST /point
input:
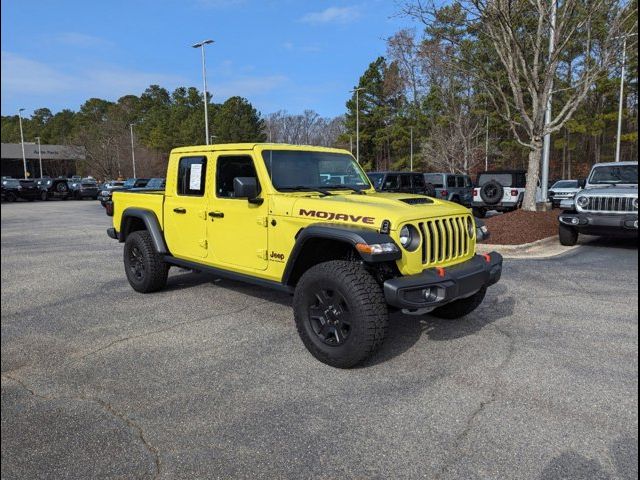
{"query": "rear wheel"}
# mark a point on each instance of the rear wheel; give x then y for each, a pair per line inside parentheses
(568, 235)
(460, 308)
(145, 269)
(340, 313)
(11, 197)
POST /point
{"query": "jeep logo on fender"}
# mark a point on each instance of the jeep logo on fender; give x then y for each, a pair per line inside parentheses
(337, 216)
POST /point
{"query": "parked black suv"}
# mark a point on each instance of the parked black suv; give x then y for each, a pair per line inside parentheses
(13, 189)
(53, 188)
(402, 182)
(85, 188)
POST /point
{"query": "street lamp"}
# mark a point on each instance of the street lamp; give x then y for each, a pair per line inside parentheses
(24, 158)
(204, 81)
(621, 101)
(411, 150)
(39, 156)
(546, 148)
(133, 152)
(357, 91)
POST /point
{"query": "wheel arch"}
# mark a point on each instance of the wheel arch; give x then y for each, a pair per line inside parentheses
(134, 219)
(320, 243)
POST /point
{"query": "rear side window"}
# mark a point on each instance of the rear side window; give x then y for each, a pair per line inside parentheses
(405, 181)
(451, 181)
(434, 179)
(191, 176)
(418, 181)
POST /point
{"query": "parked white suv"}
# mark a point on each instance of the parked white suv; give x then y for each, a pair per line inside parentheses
(500, 190)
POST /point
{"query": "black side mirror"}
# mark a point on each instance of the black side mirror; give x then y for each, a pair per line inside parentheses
(582, 183)
(246, 187)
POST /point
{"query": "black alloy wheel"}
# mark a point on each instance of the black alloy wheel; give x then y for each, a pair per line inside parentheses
(136, 263)
(329, 316)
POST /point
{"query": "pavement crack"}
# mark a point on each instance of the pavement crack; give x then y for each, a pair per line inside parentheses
(104, 406)
(164, 329)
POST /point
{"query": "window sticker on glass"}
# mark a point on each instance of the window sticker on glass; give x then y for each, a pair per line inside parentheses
(195, 176)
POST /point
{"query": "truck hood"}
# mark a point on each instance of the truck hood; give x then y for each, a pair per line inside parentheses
(366, 210)
(610, 190)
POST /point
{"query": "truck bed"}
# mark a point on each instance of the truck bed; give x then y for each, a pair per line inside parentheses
(148, 200)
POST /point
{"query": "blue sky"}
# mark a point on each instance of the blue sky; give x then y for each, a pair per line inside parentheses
(280, 54)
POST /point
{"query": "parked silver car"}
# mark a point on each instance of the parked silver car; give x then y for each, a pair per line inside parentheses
(563, 190)
(606, 206)
(453, 187)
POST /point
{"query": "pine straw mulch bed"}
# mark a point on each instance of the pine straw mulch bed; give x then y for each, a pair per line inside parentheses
(518, 227)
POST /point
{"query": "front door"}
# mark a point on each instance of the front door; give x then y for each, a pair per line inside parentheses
(236, 228)
(185, 210)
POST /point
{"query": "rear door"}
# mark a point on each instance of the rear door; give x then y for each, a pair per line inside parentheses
(236, 228)
(185, 209)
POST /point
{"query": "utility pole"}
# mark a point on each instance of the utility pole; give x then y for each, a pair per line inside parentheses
(411, 149)
(133, 152)
(351, 144)
(39, 156)
(546, 149)
(621, 100)
(357, 91)
(486, 147)
(204, 93)
(24, 157)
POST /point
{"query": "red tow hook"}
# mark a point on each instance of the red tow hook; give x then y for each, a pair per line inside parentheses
(441, 272)
(487, 257)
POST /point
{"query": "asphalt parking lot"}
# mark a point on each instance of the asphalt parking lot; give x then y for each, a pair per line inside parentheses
(208, 379)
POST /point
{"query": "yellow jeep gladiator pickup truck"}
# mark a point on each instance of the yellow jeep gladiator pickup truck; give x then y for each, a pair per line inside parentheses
(306, 220)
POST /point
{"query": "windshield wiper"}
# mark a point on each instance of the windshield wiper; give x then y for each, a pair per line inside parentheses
(345, 187)
(304, 188)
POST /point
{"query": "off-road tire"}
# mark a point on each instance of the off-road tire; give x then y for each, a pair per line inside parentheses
(430, 190)
(479, 212)
(460, 308)
(154, 270)
(568, 235)
(366, 311)
(62, 187)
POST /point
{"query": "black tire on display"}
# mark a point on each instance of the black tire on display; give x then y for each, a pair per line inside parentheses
(340, 313)
(479, 212)
(145, 269)
(460, 308)
(491, 192)
(568, 235)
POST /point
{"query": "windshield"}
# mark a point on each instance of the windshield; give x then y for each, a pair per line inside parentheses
(566, 184)
(612, 174)
(129, 182)
(504, 179)
(299, 170)
(156, 183)
(11, 183)
(376, 179)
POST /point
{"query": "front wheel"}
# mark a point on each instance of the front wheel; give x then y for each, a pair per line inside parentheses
(568, 235)
(44, 196)
(145, 269)
(340, 313)
(460, 308)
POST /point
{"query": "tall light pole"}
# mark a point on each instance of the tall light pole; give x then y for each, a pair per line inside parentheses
(357, 91)
(204, 93)
(39, 156)
(24, 157)
(546, 149)
(133, 151)
(486, 147)
(411, 149)
(621, 101)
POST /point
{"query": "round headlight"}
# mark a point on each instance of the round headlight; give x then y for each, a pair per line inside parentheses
(409, 237)
(635, 203)
(405, 236)
(471, 227)
(582, 201)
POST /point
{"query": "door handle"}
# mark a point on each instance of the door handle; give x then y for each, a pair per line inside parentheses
(216, 214)
(180, 210)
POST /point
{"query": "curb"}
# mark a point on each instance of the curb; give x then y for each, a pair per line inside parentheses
(545, 248)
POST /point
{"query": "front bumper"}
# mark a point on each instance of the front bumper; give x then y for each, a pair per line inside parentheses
(436, 287)
(601, 224)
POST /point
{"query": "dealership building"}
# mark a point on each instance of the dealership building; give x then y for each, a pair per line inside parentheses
(57, 160)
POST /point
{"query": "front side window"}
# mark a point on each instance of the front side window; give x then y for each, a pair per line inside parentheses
(405, 182)
(191, 176)
(229, 168)
(300, 170)
(613, 174)
(451, 181)
(391, 182)
(418, 182)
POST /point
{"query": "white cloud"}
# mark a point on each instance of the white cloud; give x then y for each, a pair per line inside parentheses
(22, 76)
(340, 15)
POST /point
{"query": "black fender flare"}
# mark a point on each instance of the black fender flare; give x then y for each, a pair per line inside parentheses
(151, 223)
(348, 234)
